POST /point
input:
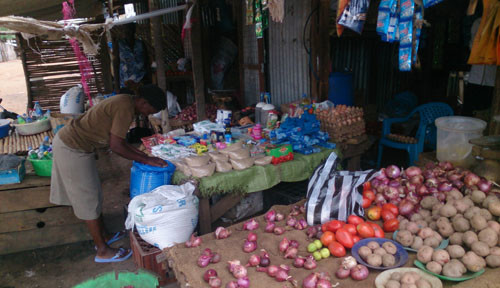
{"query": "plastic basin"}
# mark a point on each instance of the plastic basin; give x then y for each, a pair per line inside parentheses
(453, 135)
(121, 279)
(4, 127)
(42, 167)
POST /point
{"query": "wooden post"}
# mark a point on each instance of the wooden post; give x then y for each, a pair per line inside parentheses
(197, 63)
(495, 107)
(241, 59)
(314, 36)
(25, 69)
(156, 28)
(106, 64)
(324, 48)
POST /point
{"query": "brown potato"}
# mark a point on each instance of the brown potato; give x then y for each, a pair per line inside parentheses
(493, 261)
(455, 251)
(455, 194)
(390, 248)
(461, 224)
(424, 213)
(456, 238)
(488, 236)
(424, 254)
(441, 256)
(421, 224)
(480, 248)
(425, 233)
(412, 227)
(469, 238)
(473, 262)
(461, 205)
(428, 202)
(392, 284)
(374, 260)
(454, 268)
(433, 225)
(447, 211)
(486, 214)
(388, 260)
(396, 276)
(446, 229)
(478, 222)
(438, 236)
(404, 237)
(432, 241)
(490, 198)
(494, 207)
(380, 251)
(422, 283)
(495, 251)
(403, 224)
(434, 266)
(415, 217)
(478, 196)
(364, 251)
(374, 245)
(473, 210)
(408, 278)
(409, 286)
(417, 243)
(494, 225)
(428, 219)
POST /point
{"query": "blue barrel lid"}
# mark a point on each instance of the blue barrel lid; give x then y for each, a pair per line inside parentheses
(149, 168)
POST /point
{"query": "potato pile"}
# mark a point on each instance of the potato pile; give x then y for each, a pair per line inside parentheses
(468, 221)
(378, 256)
(407, 279)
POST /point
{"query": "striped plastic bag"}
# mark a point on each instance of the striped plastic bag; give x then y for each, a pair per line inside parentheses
(333, 194)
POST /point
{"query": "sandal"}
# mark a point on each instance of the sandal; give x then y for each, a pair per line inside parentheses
(122, 255)
(118, 236)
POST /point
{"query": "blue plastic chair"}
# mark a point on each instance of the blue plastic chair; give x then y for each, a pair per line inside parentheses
(426, 130)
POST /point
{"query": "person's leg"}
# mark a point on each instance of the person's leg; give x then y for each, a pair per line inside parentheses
(95, 229)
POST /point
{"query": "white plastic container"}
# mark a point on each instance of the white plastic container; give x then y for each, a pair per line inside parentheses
(453, 135)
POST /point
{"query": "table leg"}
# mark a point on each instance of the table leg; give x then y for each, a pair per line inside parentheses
(204, 216)
(354, 163)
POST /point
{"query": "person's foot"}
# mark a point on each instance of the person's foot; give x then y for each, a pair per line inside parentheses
(108, 255)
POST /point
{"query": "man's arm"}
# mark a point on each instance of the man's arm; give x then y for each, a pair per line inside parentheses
(121, 147)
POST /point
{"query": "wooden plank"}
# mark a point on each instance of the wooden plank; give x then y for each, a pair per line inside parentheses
(25, 199)
(41, 238)
(223, 205)
(22, 45)
(324, 48)
(205, 216)
(197, 64)
(36, 219)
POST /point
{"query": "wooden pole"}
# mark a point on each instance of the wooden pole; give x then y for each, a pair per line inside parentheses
(495, 107)
(324, 48)
(25, 69)
(314, 36)
(197, 63)
(106, 64)
(156, 28)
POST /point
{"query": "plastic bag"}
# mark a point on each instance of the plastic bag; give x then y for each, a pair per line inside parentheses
(239, 154)
(223, 166)
(197, 161)
(165, 216)
(242, 164)
(333, 194)
(203, 171)
(232, 147)
(215, 156)
(184, 168)
(354, 15)
(262, 161)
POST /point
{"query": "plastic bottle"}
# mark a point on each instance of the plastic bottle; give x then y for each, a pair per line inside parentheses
(37, 109)
(257, 132)
(305, 100)
(45, 144)
(20, 120)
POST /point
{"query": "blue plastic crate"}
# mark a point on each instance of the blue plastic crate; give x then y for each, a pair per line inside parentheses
(15, 175)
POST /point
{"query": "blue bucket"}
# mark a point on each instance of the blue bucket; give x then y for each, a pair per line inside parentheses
(340, 88)
(4, 127)
(144, 178)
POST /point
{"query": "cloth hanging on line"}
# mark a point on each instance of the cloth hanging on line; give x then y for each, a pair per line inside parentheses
(486, 48)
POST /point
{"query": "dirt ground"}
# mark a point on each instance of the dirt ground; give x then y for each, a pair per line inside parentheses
(13, 86)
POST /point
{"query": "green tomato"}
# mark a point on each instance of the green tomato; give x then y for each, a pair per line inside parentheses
(311, 248)
(318, 244)
(317, 256)
(325, 253)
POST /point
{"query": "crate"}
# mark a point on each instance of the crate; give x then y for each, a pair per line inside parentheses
(14, 175)
(146, 256)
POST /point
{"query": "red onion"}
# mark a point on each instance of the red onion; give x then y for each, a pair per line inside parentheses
(249, 246)
(215, 258)
(422, 190)
(243, 282)
(214, 282)
(279, 217)
(203, 261)
(453, 176)
(291, 221)
(471, 179)
(379, 199)
(209, 273)
(391, 193)
(395, 201)
(392, 171)
(295, 211)
(281, 276)
(284, 243)
(193, 241)
(239, 271)
(270, 227)
(323, 283)
(279, 230)
(285, 267)
(252, 237)
(319, 234)
(394, 183)
(310, 263)
(360, 272)
(291, 253)
(311, 232)
(264, 262)
(294, 243)
(232, 284)
(298, 262)
(222, 233)
(254, 260)
(405, 207)
(441, 196)
(272, 270)
(430, 165)
(459, 184)
(413, 171)
(375, 183)
(413, 198)
(302, 209)
(271, 215)
(250, 225)
(446, 165)
(484, 185)
(428, 174)
(301, 224)
(431, 182)
(417, 179)
(382, 174)
(445, 186)
(232, 264)
(310, 281)
(342, 273)
(432, 190)
(207, 252)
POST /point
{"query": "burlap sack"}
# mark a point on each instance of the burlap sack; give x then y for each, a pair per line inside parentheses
(197, 161)
(242, 164)
(203, 171)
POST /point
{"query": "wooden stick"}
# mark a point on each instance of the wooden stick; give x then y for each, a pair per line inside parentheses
(18, 147)
(5, 145)
(1, 145)
(10, 144)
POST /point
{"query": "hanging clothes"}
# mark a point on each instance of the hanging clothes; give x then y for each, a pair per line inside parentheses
(485, 46)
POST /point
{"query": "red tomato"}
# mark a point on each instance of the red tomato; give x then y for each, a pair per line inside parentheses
(327, 238)
(354, 220)
(356, 238)
(387, 215)
(391, 225)
(344, 237)
(379, 233)
(336, 249)
(374, 213)
(367, 186)
(365, 230)
(391, 207)
(351, 229)
(334, 225)
(324, 227)
(366, 203)
(369, 194)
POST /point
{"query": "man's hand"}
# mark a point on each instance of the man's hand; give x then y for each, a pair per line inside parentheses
(154, 161)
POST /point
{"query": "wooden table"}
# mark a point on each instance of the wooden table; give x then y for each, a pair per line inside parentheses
(29, 221)
(351, 152)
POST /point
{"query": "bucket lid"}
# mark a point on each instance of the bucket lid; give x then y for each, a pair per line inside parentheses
(4, 122)
(460, 124)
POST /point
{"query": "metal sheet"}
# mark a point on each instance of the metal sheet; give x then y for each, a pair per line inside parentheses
(288, 60)
(250, 57)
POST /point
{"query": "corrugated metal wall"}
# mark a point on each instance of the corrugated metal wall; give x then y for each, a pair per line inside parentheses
(250, 56)
(288, 60)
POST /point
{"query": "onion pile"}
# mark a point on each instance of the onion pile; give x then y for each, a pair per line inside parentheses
(189, 113)
(193, 241)
(208, 257)
(405, 188)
